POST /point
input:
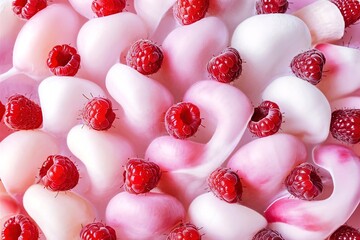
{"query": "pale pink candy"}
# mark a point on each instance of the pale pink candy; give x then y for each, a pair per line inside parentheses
(300, 219)
(306, 110)
(188, 49)
(8, 206)
(104, 41)
(218, 219)
(22, 154)
(267, 43)
(62, 100)
(341, 73)
(143, 216)
(262, 173)
(59, 215)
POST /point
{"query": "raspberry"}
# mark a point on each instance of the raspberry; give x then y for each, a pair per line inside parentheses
(187, 231)
(189, 11)
(267, 234)
(309, 65)
(141, 176)
(225, 67)
(104, 8)
(19, 227)
(22, 114)
(59, 173)
(225, 184)
(345, 125)
(144, 56)
(182, 120)
(97, 231)
(345, 232)
(98, 114)
(2, 110)
(63, 60)
(271, 6)
(266, 119)
(27, 8)
(304, 182)
(350, 10)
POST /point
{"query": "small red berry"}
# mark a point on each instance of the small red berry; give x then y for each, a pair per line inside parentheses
(271, 6)
(98, 113)
(266, 119)
(345, 125)
(144, 56)
(2, 110)
(189, 11)
(226, 185)
(97, 231)
(59, 173)
(19, 227)
(303, 182)
(309, 65)
(267, 234)
(345, 232)
(226, 66)
(22, 114)
(184, 231)
(63, 60)
(104, 8)
(349, 9)
(182, 120)
(141, 176)
(27, 8)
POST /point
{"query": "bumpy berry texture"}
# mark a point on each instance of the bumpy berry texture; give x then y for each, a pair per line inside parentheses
(226, 185)
(345, 125)
(350, 10)
(2, 110)
(304, 182)
(98, 114)
(267, 234)
(184, 231)
(97, 231)
(271, 6)
(189, 11)
(309, 65)
(226, 66)
(145, 56)
(182, 120)
(59, 173)
(266, 119)
(26, 9)
(63, 60)
(22, 114)
(104, 8)
(19, 227)
(345, 232)
(141, 176)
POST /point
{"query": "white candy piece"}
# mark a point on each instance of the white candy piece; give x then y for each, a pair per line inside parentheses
(83, 7)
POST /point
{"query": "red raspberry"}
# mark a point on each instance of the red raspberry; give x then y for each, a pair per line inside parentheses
(59, 173)
(309, 65)
(141, 176)
(19, 227)
(226, 185)
(190, 11)
(182, 120)
(98, 113)
(187, 231)
(345, 125)
(2, 110)
(225, 67)
(27, 8)
(267, 234)
(63, 60)
(104, 8)
(266, 119)
(304, 182)
(345, 232)
(97, 231)
(144, 56)
(350, 10)
(271, 6)
(22, 114)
